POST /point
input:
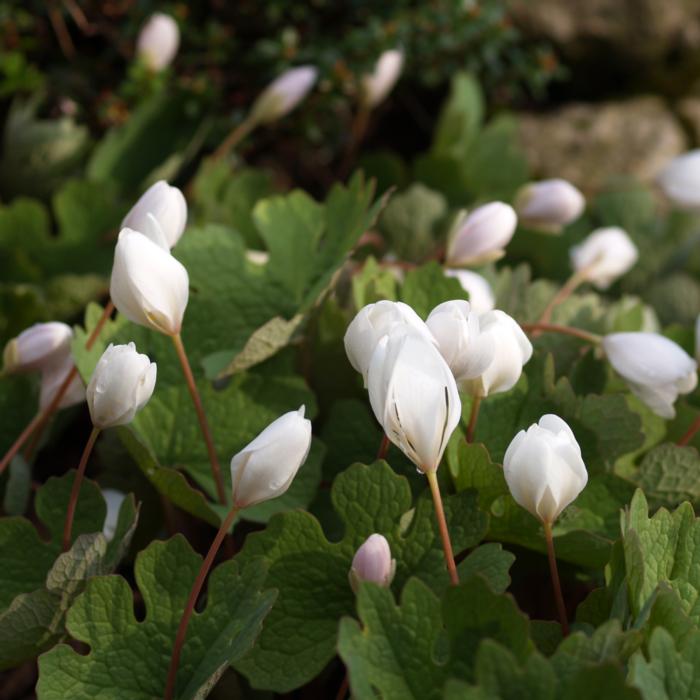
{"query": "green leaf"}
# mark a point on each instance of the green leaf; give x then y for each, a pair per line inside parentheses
(669, 474)
(460, 118)
(411, 650)
(410, 221)
(490, 561)
(18, 405)
(311, 573)
(662, 549)
(667, 672)
(19, 486)
(128, 658)
(373, 283)
(35, 620)
(426, 287)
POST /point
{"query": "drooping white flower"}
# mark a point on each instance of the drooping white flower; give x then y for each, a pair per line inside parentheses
(148, 285)
(608, 253)
(680, 180)
(467, 351)
(655, 368)
(37, 347)
(120, 386)
(544, 469)
(372, 562)
(161, 209)
(481, 296)
(265, 468)
(482, 235)
(378, 84)
(374, 321)
(52, 378)
(512, 351)
(549, 205)
(414, 396)
(283, 94)
(158, 41)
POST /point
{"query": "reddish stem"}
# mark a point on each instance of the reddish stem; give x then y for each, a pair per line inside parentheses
(473, 417)
(75, 491)
(235, 136)
(383, 447)
(556, 584)
(564, 330)
(442, 525)
(201, 415)
(690, 434)
(343, 690)
(189, 607)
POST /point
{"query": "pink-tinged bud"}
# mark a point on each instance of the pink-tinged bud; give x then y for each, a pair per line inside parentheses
(378, 84)
(158, 41)
(52, 378)
(680, 180)
(38, 347)
(482, 235)
(283, 94)
(549, 205)
(372, 562)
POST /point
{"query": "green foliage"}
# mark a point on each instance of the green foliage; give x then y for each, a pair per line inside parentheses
(311, 573)
(103, 618)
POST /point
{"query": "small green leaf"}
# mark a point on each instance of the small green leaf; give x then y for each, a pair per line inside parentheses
(426, 287)
(670, 474)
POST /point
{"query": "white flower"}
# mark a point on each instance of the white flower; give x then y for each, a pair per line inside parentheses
(37, 347)
(481, 296)
(467, 350)
(544, 469)
(414, 396)
(149, 286)
(374, 321)
(680, 180)
(158, 41)
(160, 214)
(605, 255)
(121, 385)
(512, 351)
(372, 562)
(114, 500)
(283, 94)
(549, 205)
(378, 84)
(52, 378)
(482, 235)
(654, 367)
(265, 468)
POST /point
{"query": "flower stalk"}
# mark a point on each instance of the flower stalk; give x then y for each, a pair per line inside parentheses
(75, 491)
(201, 415)
(442, 525)
(556, 584)
(194, 594)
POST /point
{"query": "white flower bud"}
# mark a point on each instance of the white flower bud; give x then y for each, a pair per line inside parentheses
(697, 339)
(378, 84)
(655, 368)
(114, 500)
(38, 347)
(120, 386)
(372, 562)
(482, 235)
(512, 351)
(374, 321)
(52, 378)
(481, 296)
(467, 350)
(414, 396)
(148, 285)
(544, 469)
(604, 256)
(160, 213)
(549, 205)
(680, 180)
(283, 94)
(265, 468)
(158, 41)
